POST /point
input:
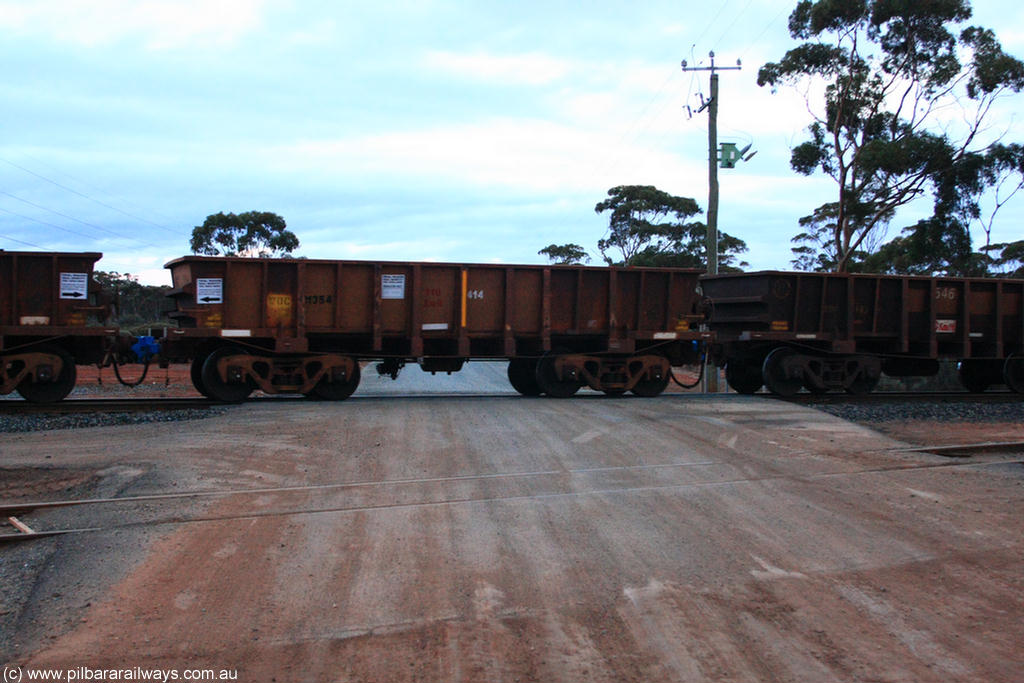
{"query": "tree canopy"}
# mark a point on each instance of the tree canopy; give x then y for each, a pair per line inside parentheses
(907, 95)
(134, 303)
(565, 254)
(648, 227)
(254, 233)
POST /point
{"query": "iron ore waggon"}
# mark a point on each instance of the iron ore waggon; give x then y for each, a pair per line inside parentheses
(821, 331)
(51, 315)
(307, 326)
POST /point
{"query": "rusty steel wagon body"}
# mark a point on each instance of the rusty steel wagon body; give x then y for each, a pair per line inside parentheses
(51, 315)
(839, 331)
(298, 325)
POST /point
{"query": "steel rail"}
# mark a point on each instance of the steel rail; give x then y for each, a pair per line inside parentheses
(256, 514)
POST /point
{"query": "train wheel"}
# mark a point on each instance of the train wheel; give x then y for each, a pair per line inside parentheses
(1013, 372)
(56, 388)
(864, 384)
(196, 372)
(337, 391)
(649, 388)
(549, 382)
(744, 378)
(522, 375)
(781, 375)
(814, 388)
(973, 376)
(229, 391)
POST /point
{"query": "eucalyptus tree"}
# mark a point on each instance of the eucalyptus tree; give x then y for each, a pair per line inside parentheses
(565, 254)
(901, 95)
(253, 233)
(650, 227)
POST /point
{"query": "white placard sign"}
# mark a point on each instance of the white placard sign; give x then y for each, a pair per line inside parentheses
(392, 286)
(74, 285)
(209, 290)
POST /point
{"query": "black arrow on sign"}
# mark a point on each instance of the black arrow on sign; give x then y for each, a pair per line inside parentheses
(74, 295)
(210, 298)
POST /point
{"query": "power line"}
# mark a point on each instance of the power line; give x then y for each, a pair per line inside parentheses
(711, 23)
(52, 225)
(77, 220)
(28, 244)
(91, 199)
(767, 26)
(78, 180)
(733, 22)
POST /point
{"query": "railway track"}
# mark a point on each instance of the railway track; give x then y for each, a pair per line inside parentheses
(12, 513)
(103, 405)
(142, 404)
(136, 404)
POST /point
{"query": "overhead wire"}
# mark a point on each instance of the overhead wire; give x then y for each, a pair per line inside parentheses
(660, 90)
(77, 220)
(711, 23)
(106, 192)
(85, 196)
(767, 26)
(637, 125)
(733, 22)
(47, 223)
(29, 244)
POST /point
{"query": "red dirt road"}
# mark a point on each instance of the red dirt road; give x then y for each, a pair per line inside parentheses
(504, 539)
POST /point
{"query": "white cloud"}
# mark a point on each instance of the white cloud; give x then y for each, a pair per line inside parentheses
(501, 70)
(527, 154)
(158, 24)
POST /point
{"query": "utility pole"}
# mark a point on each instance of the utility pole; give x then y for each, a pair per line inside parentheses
(711, 244)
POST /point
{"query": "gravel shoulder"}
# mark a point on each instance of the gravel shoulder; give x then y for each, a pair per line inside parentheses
(939, 423)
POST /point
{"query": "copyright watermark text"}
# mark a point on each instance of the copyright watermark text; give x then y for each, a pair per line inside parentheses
(17, 674)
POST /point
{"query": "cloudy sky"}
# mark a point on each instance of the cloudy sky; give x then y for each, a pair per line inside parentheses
(419, 130)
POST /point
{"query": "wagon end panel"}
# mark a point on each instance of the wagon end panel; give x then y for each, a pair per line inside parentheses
(40, 289)
(743, 304)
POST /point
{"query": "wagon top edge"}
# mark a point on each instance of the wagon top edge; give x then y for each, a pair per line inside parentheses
(856, 276)
(408, 264)
(94, 255)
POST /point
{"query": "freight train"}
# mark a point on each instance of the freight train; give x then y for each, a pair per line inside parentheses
(311, 326)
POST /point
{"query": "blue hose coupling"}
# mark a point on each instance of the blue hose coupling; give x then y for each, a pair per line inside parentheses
(145, 348)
